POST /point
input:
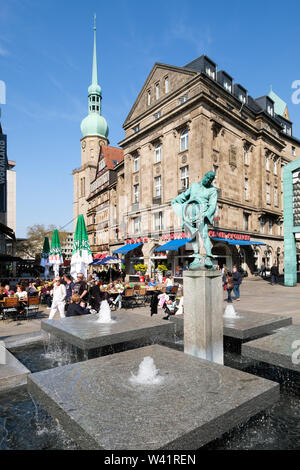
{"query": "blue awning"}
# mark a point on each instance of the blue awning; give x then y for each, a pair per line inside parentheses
(237, 242)
(173, 245)
(126, 248)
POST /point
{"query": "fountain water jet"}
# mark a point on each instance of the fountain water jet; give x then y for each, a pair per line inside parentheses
(230, 312)
(105, 313)
(147, 374)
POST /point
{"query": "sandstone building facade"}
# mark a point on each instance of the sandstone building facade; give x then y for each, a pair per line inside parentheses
(190, 120)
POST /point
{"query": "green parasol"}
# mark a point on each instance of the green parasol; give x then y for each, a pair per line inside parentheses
(81, 255)
(55, 256)
(45, 256)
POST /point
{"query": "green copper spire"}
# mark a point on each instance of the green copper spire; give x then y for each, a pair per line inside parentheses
(95, 72)
(94, 123)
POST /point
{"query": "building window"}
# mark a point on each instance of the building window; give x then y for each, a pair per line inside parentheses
(262, 225)
(158, 221)
(275, 166)
(136, 163)
(136, 128)
(246, 189)
(227, 85)
(183, 98)
(101, 164)
(246, 155)
(293, 151)
(210, 72)
(246, 221)
(157, 186)
(137, 225)
(166, 84)
(267, 162)
(270, 227)
(157, 153)
(157, 115)
(136, 193)
(157, 91)
(149, 97)
(95, 239)
(275, 196)
(82, 187)
(184, 140)
(215, 170)
(184, 178)
(268, 193)
(270, 109)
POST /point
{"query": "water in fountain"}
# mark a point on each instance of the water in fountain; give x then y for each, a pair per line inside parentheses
(147, 374)
(105, 313)
(230, 312)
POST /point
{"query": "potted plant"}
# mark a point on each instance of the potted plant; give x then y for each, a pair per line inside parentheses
(140, 268)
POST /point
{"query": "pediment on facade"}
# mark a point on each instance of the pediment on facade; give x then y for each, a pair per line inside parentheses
(177, 77)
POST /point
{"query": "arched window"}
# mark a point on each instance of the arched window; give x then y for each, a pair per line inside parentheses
(157, 153)
(184, 140)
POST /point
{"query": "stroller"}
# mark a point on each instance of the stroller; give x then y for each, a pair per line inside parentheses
(170, 309)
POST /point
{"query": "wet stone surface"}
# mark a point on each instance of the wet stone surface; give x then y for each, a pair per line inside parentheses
(86, 333)
(279, 349)
(197, 401)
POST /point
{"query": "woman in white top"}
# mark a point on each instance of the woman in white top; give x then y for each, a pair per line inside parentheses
(59, 299)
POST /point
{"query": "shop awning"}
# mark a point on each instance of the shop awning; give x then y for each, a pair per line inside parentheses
(237, 242)
(126, 248)
(173, 245)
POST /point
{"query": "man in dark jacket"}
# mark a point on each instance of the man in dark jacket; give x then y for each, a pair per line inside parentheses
(237, 281)
(75, 309)
(274, 274)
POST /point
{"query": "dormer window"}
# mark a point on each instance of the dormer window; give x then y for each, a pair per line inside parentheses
(210, 72)
(227, 86)
(149, 97)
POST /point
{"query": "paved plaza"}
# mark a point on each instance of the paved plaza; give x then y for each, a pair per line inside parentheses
(257, 295)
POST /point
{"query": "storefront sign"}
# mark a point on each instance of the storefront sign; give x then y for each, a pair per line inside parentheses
(229, 236)
(3, 169)
(137, 240)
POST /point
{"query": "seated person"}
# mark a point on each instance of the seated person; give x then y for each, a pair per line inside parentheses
(152, 283)
(76, 307)
(8, 291)
(170, 308)
(169, 284)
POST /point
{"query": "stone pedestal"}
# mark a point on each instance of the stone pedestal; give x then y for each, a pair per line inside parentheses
(203, 314)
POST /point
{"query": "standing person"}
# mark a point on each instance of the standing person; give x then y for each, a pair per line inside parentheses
(274, 274)
(95, 296)
(59, 299)
(237, 281)
(263, 270)
(69, 288)
(229, 286)
(80, 287)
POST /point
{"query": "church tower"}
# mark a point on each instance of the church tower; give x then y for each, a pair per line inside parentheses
(94, 131)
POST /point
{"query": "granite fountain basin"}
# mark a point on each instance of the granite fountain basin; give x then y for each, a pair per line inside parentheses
(197, 401)
(86, 333)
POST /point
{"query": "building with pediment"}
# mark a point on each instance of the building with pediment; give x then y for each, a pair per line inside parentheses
(185, 122)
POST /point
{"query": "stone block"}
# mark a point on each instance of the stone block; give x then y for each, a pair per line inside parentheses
(197, 401)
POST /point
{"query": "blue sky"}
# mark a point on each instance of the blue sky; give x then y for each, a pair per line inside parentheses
(46, 59)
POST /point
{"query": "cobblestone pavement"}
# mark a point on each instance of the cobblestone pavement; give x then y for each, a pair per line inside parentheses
(257, 295)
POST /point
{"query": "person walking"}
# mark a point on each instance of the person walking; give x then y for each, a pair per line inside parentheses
(237, 281)
(263, 270)
(59, 299)
(274, 274)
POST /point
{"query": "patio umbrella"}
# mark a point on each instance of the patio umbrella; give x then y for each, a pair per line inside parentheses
(45, 257)
(81, 256)
(55, 257)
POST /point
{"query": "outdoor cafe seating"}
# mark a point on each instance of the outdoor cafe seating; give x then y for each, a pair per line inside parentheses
(12, 307)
